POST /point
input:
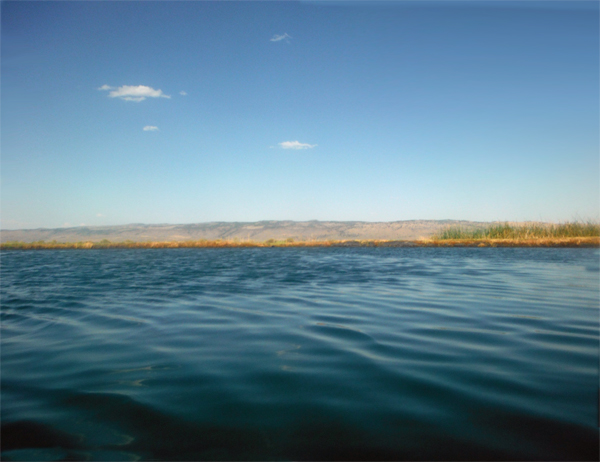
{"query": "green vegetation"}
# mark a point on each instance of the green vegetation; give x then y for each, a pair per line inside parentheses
(533, 231)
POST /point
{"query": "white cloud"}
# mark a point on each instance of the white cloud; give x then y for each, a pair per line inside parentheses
(278, 38)
(150, 128)
(296, 145)
(133, 93)
(99, 215)
(183, 93)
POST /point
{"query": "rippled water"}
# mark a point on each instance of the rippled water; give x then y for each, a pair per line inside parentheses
(313, 353)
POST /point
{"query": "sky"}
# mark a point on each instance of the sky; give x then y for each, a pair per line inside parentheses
(187, 112)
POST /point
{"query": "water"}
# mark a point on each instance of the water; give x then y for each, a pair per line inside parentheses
(300, 354)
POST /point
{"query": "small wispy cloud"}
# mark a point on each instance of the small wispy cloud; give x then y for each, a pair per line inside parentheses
(296, 145)
(279, 38)
(183, 93)
(150, 128)
(99, 215)
(133, 93)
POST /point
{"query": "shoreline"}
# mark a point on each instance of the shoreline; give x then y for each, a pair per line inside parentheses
(536, 242)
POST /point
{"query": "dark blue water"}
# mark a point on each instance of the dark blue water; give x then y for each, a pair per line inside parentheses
(300, 354)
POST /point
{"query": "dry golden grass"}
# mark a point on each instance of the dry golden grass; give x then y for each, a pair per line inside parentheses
(593, 241)
(219, 243)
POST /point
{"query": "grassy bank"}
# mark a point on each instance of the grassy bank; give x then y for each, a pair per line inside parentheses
(498, 235)
(446, 242)
(521, 242)
(524, 232)
(203, 243)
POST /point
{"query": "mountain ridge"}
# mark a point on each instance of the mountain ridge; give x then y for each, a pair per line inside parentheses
(253, 231)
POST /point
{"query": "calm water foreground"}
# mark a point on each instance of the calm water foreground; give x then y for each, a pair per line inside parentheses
(313, 354)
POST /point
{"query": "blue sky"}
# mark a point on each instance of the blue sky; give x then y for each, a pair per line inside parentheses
(184, 112)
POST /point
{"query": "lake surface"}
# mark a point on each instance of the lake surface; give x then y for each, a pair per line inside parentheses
(300, 354)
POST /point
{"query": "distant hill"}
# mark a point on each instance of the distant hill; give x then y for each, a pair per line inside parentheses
(254, 231)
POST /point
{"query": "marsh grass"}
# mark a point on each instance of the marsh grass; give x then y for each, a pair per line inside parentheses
(522, 232)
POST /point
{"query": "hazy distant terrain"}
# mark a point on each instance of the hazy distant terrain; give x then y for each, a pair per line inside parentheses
(254, 231)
